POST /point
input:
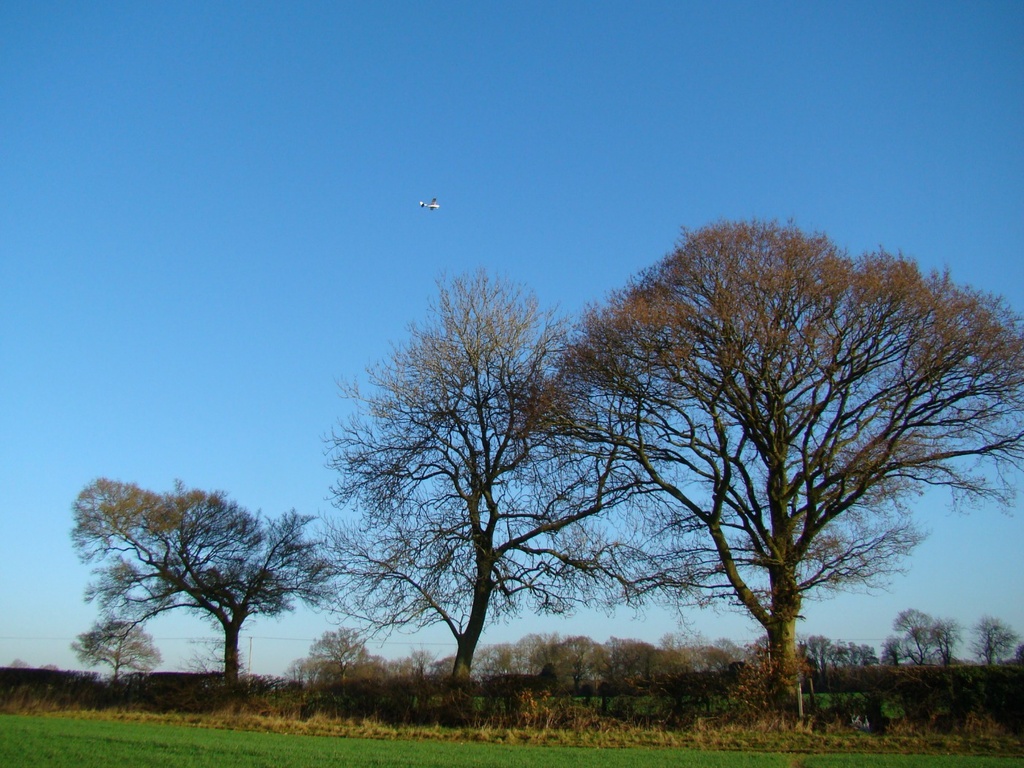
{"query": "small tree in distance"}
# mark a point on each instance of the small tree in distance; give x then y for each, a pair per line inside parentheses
(916, 642)
(947, 636)
(121, 645)
(334, 657)
(825, 656)
(339, 651)
(993, 639)
(583, 657)
(922, 639)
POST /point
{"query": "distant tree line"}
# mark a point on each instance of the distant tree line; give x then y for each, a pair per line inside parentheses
(581, 663)
(925, 640)
(578, 662)
(554, 682)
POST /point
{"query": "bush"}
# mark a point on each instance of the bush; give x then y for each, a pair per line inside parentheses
(24, 688)
(944, 698)
(939, 698)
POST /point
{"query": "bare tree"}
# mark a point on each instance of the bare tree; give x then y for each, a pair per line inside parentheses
(860, 655)
(498, 659)
(826, 655)
(546, 654)
(627, 658)
(206, 656)
(583, 658)
(719, 655)
(948, 634)
(470, 502)
(993, 639)
(820, 653)
(336, 656)
(420, 661)
(418, 665)
(785, 401)
(676, 653)
(918, 640)
(119, 644)
(194, 550)
(892, 651)
(338, 652)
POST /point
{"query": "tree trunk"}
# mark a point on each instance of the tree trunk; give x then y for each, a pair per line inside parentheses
(782, 643)
(783, 664)
(231, 662)
(463, 658)
(783, 661)
(467, 641)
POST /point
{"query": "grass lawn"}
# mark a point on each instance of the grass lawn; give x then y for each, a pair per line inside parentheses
(61, 742)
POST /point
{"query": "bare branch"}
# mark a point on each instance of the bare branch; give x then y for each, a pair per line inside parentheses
(193, 550)
(787, 401)
(470, 501)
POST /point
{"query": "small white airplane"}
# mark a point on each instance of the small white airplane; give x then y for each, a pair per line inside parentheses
(433, 205)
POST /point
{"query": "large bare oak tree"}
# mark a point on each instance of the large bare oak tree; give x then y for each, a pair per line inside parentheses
(785, 401)
(195, 550)
(470, 503)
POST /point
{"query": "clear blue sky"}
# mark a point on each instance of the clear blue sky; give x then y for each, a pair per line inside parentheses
(208, 215)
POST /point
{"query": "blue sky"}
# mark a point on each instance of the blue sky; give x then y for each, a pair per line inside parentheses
(208, 215)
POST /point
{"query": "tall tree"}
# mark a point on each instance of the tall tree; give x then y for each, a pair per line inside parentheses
(194, 550)
(119, 644)
(785, 401)
(470, 503)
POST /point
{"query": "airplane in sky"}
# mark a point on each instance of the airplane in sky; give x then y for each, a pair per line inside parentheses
(433, 205)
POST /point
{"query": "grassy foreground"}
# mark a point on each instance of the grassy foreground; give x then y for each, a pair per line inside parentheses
(63, 742)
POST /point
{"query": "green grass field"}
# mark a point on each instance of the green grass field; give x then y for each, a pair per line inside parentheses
(59, 742)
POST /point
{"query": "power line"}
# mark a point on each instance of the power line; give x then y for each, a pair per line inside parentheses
(204, 638)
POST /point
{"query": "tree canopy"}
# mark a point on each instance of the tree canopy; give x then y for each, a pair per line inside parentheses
(470, 502)
(993, 640)
(119, 644)
(783, 401)
(194, 550)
